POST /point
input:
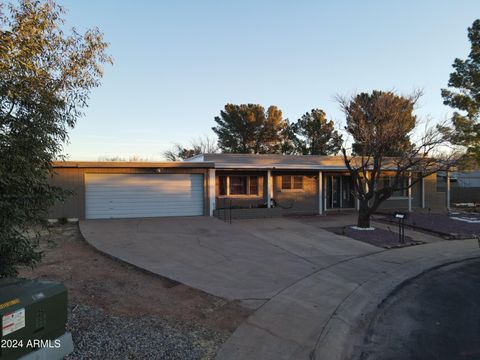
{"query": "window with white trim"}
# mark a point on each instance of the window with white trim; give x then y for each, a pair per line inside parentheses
(234, 185)
(292, 182)
(403, 185)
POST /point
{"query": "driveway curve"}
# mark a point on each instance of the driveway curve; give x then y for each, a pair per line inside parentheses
(325, 315)
(315, 292)
(442, 322)
(250, 260)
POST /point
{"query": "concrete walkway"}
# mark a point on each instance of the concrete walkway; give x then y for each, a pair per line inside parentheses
(325, 314)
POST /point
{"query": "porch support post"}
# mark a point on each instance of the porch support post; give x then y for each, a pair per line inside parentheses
(423, 193)
(269, 188)
(409, 192)
(211, 190)
(320, 192)
(448, 190)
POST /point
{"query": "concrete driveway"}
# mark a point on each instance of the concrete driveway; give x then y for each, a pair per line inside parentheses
(315, 292)
(250, 260)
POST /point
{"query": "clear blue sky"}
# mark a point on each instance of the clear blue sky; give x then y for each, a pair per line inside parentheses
(177, 63)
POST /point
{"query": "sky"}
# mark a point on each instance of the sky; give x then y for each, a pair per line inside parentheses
(177, 63)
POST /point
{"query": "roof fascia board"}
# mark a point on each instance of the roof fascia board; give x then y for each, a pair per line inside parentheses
(286, 167)
(129, 164)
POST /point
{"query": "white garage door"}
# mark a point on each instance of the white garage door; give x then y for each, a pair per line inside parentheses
(143, 195)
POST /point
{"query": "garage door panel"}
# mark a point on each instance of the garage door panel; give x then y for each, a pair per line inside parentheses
(143, 195)
(145, 208)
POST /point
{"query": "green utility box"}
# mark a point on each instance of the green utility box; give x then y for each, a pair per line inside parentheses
(33, 316)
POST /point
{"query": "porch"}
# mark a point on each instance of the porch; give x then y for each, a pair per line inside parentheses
(296, 192)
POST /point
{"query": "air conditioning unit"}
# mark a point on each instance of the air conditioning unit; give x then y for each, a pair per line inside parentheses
(34, 314)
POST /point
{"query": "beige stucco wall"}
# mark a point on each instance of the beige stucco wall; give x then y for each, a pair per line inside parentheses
(435, 201)
(402, 203)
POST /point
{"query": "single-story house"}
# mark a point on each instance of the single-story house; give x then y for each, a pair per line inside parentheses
(207, 184)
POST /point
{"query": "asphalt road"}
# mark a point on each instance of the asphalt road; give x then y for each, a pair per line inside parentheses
(435, 316)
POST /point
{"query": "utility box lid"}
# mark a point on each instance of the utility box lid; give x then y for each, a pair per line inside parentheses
(27, 290)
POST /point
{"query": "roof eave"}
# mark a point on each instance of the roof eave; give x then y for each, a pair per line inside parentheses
(131, 164)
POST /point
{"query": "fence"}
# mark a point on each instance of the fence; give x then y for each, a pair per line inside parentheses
(465, 195)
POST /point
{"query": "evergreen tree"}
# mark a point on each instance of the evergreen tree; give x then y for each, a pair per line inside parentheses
(464, 95)
(315, 135)
(249, 129)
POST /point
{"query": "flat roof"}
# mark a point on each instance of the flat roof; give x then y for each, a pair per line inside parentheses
(272, 161)
(232, 162)
(131, 164)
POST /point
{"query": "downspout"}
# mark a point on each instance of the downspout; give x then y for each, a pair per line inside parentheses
(269, 189)
(448, 190)
(410, 192)
(320, 192)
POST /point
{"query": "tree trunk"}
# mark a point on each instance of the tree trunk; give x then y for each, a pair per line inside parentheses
(363, 215)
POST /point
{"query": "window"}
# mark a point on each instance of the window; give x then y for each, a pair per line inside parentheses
(402, 192)
(238, 185)
(286, 182)
(298, 182)
(292, 182)
(253, 185)
(222, 185)
(441, 182)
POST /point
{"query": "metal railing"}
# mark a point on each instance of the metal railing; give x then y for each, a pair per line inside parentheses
(225, 211)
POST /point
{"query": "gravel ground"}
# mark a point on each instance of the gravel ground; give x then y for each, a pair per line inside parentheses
(378, 237)
(441, 223)
(119, 312)
(98, 335)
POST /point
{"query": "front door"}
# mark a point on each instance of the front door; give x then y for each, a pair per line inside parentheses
(333, 192)
(339, 192)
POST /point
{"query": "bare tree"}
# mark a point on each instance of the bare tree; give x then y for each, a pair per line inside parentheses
(138, 158)
(381, 124)
(133, 158)
(200, 145)
(111, 158)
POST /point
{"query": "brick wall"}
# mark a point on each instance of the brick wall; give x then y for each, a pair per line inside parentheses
(303, 201)
(237, 214)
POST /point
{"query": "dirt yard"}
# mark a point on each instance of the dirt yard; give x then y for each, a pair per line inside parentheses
(109, 297)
